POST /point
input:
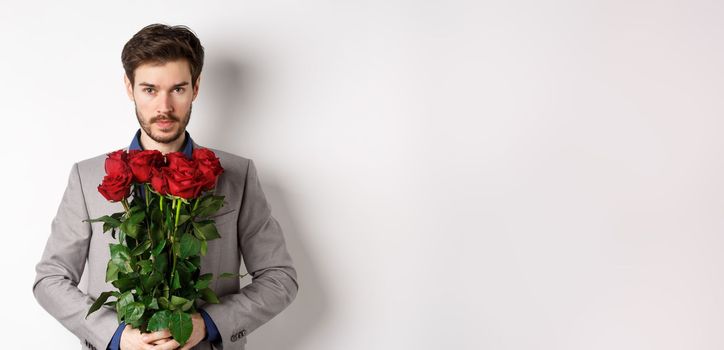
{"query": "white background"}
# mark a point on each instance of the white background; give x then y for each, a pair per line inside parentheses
(449, 174)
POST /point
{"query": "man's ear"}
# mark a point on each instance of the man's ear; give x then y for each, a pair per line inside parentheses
(129, 86)
(196, 87)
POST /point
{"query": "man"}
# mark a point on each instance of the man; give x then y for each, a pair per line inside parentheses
(162, 70)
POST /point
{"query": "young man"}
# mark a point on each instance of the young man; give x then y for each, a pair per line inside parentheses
(162, 68)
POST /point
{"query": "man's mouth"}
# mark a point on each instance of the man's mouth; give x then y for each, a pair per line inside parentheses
(164, 122)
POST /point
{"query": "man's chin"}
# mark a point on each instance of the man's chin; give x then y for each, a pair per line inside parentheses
(165, 136)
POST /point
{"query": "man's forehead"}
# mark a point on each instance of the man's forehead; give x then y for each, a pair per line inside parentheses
(169, 73)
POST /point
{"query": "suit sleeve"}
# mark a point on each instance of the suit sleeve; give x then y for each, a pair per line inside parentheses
(274, 279)
(60, 269)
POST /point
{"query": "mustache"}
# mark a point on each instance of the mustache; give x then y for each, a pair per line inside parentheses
(165, 117)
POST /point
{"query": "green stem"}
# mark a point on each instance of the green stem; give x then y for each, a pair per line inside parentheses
(160, 204)
(121, 234)
(145, 185)
(173, 238)
(125, 205)
(148, 218)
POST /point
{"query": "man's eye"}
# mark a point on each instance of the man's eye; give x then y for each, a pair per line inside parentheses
(148, 90)
(179, 90)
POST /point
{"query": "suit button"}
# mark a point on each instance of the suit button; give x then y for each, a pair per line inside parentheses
(243, 332)
(234, 338)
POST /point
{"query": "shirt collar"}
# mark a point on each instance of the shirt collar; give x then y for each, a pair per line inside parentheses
(187, 148)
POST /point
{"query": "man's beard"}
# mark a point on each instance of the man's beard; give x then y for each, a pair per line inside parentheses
(164, 139)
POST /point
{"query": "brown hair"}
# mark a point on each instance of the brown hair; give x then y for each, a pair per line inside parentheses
(159, 43)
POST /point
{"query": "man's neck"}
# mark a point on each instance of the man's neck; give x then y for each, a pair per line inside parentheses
(148, 144)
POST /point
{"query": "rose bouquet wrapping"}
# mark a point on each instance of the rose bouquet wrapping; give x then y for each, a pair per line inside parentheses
(162, 235)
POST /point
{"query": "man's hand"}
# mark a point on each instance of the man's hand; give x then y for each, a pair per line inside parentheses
(197, 334)
(132, 339)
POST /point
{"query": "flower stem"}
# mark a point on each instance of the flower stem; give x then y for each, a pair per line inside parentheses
(145, 185)
(173, 239)
(178, 210)
(125, 205)
(147, 196)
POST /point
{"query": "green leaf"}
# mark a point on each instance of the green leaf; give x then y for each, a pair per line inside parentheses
(161, 263)
(195, 260)
(178, 301)
(183, 272)
(204, 247)
(98, 303)
(176, 282)
(159, 247)
(189, 265)
(150, 302)
(187, 306)
(153, 304)
(136, 206)
(208, 205)
(111, 271)
(123, 301)
(134, 312)
(159, 321)
(125, 284)
(150, 281)
(209, 295)
(203, 281)
(121, 256)
(183, 218)
(157, 232)
(130, 226)
(230, 275)
(110, 220)
(142, 248)
(146, 266)
(163, 302)
(189, 246)
(206, 230)
(180, 326)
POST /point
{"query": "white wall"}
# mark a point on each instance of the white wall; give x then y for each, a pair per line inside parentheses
(449, 174)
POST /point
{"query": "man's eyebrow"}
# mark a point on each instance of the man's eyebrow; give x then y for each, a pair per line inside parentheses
(183, 83)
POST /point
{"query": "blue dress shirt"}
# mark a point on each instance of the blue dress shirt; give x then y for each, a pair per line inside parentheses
(212, 333)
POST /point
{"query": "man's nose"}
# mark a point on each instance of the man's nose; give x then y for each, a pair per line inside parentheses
(164, 104)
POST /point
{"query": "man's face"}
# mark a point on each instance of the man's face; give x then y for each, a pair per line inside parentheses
(163, 96)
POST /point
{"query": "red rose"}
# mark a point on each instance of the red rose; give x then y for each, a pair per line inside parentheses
(178, 161)
(117, 162)
(185, 183)
(209, 165)
(142, 162)
(183, 176)
(116, 184)
(118, 155)
(158, 180)
(116, 187)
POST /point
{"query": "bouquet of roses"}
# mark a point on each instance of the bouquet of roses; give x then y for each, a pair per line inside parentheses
(162, 234)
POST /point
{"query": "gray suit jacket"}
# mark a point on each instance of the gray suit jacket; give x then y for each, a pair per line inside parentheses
(247, 231)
